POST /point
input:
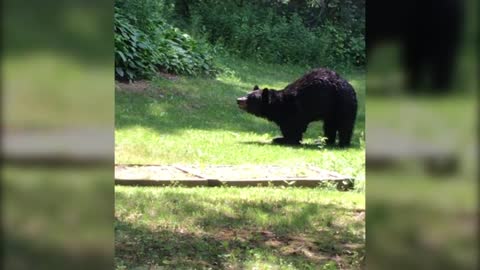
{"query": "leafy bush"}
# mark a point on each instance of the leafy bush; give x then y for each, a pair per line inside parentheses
(145, 12)
(135, 53)
(344, 47)
(181, 54)
(264, 34)
(308, 32)
(147, 45)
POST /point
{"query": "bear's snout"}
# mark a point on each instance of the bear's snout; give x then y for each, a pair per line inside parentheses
(242, 102)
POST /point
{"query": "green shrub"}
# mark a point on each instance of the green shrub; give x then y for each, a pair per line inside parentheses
(144, 46)
(135, 53)
(146, 12)
(271, 36)
(312, 33)
(344, 46)
(181, 54)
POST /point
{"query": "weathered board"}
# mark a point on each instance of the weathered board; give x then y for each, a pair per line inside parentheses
(223, 175)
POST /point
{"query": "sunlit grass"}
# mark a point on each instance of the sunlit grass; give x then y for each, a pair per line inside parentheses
(196, 121)
(41, 90)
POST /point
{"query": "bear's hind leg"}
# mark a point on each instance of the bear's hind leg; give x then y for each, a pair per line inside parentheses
(347, 116)
(330, 131)
(345, 133)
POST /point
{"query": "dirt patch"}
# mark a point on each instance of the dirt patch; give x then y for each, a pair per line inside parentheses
(145, 88)
(287, 245)
(200, 249)
(360, 214)
(168, 76)
(134, 87)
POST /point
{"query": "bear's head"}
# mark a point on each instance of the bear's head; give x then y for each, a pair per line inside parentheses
(255, 101)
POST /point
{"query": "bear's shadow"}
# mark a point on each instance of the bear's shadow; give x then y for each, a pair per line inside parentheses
(309, 146)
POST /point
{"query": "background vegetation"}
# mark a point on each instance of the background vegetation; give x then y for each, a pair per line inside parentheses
(181, 36)
(145, 44)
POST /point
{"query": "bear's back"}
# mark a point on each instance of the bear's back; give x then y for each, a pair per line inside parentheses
(320, 79)
(319, 92)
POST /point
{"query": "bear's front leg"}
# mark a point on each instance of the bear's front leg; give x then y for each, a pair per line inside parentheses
(292, 133)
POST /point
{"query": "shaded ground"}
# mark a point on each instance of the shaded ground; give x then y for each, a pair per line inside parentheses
(231, 228)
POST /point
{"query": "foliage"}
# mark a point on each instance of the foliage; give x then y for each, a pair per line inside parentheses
(146, 13)
(308, 32)
(134, 52)
(145, 45)
(346, 48)
(317, 32)
(183, 55)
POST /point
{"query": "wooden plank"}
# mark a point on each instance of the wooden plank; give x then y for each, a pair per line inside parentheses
(192, 176)
(90, 146)
(265, 182)
(152, 172)
(148, 182)
(395, 149)
(215, 183)
(191, 171)
(331, 175)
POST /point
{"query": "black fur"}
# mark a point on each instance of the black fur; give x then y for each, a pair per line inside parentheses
(319, 95)
(428, 32)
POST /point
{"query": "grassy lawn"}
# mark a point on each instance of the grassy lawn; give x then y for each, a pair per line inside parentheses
(196, 121)
(419, 220)
(184, 120)
(36, 83)
(238, 228)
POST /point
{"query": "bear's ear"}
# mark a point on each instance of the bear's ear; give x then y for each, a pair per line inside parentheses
(265, 96)
(256, 87)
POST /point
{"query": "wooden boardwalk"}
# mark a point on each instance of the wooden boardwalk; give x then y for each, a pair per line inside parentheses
(238, 176)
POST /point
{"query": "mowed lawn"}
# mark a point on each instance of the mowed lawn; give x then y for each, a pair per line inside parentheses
(238, 228)
(181, 120)
(196, 121)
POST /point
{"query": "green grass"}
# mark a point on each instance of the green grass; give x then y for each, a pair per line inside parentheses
(238, 228)
(419, 220)
(197, 121)
(37, 83)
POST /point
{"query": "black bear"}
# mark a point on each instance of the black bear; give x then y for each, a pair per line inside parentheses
(428, 32)
(321, 94)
